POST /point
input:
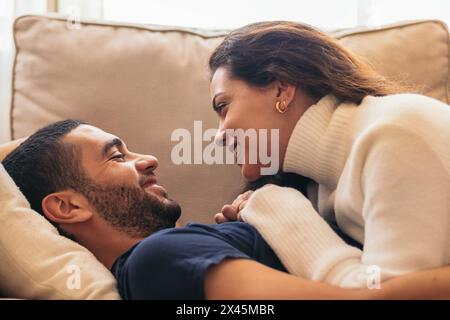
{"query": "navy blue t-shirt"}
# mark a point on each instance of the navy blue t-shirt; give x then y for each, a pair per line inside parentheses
(172, 263)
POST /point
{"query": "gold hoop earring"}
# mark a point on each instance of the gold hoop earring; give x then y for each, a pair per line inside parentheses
(281, 106)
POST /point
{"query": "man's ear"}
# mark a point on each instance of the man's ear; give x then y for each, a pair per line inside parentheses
(285, 91)
(66, 207)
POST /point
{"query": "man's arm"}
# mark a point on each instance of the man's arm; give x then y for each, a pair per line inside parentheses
(424, 285)
(247, 279)
(6, 148)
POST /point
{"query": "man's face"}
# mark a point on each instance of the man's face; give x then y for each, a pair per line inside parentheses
(121, 185)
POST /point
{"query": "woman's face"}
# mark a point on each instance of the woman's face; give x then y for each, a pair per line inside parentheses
(241, 106)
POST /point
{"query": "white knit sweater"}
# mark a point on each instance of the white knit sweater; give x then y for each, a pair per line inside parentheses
(383, 169)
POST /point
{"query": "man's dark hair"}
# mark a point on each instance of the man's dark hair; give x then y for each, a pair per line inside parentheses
(44, 164)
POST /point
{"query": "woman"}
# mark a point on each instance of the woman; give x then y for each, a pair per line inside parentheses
(381, 159)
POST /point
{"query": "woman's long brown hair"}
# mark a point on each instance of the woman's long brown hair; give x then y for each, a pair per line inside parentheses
(298, 54)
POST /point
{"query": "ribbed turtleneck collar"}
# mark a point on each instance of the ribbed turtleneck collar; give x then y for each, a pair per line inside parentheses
(320, 142)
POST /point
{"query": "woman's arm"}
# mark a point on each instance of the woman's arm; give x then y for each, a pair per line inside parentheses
(248, 279)
(6, 148)
(304, 242)
(404, 208)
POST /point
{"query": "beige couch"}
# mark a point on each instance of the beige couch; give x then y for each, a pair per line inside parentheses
(142, 83)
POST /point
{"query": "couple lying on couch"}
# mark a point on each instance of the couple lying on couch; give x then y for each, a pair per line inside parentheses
(380, 160)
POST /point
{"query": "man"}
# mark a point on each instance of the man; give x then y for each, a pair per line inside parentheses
(95, 191)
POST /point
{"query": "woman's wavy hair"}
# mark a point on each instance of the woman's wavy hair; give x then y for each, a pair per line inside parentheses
(298, 54)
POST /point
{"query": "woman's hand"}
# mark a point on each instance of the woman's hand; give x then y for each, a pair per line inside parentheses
(231, 212)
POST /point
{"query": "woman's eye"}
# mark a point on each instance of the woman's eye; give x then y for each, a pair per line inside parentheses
(220, 107)
(119, 157)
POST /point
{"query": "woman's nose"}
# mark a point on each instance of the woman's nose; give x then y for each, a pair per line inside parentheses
(146, 164)
(220, 137)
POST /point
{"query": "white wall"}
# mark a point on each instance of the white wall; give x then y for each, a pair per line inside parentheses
(325, 14)
(229, 14)
(9, 9)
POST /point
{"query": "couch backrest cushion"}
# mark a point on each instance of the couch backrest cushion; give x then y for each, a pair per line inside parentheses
(415, 53)
(142, 83)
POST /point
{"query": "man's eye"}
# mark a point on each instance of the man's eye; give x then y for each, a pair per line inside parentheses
(119, 157)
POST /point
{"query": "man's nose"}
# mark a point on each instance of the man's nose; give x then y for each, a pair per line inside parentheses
(146, 164)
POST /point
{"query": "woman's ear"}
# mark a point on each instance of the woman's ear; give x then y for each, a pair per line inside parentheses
(66, 207)
(285, 91)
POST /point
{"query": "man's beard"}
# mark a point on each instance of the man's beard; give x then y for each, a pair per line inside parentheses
(131, 209)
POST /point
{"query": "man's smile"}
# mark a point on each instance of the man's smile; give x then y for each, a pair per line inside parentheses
(150, 185)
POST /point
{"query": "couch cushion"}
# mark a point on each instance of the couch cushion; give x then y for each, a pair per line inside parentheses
(38, 263)
(142, 82)
(414, 53)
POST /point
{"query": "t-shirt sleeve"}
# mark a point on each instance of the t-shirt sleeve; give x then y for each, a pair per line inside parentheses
(172, 265)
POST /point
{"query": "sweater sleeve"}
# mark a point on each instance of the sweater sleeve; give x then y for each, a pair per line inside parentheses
(405, 210)
(302, 240)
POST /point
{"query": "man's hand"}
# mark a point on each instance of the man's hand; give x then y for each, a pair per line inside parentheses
(231, 212)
